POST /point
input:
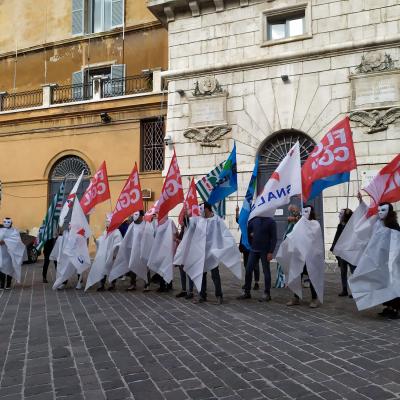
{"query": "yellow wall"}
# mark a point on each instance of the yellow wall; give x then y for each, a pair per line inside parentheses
(36, 140)
(143, 49)
(47, 21)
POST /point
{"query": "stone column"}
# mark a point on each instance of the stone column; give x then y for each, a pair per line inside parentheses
(157, 81)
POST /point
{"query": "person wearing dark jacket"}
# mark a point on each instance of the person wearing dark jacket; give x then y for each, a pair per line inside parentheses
(262, 235)
(344, 216)
(47, 249)
(246, 252)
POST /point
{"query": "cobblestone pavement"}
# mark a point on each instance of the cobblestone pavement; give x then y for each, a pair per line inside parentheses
(93, 346)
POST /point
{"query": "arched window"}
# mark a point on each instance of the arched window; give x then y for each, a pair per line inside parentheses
(271, 153)
(68, 168)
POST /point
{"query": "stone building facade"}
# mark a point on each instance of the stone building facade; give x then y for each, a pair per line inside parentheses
(268, 72)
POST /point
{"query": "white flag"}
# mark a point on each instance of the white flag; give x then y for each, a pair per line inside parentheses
(76, 247)
(284, 183)
(70, 200)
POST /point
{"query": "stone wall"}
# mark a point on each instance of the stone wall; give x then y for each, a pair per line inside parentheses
(226, 45)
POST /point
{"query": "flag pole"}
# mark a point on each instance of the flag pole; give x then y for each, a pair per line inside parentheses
(348, 193)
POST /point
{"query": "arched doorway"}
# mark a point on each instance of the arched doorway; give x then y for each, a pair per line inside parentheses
(68, 168)
(271, 153)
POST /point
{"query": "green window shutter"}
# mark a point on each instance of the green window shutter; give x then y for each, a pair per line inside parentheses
(117, 13)
(117, 79)
(78, 15)
(77, 82)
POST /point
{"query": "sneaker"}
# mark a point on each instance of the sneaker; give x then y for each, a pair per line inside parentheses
(146, 289)
(181, 294)
(189, 296)
(78, 285)
(101, 289)
(294, 302)
(45, 280)
(131, 288)
(306, 283)
(265, 297)
(8, 287)
(343, 294)
(244, 296)
(219, 300)
(314, 304)
(350, 296)
(256, 286)
(61, 287)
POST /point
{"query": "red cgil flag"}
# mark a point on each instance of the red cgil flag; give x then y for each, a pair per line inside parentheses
(97, 191)
(129, 201)
(172, 192)
(385, 187)
(190, 205)
(330, 162)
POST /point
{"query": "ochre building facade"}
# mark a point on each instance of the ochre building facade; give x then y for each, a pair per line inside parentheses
(80, 83)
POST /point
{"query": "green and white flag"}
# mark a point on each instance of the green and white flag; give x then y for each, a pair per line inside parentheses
(205, 186)
(50, 222)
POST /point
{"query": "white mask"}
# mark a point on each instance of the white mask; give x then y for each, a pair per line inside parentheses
(7, 223)
(136, 216)
(383, 211)
(306, 212)
(201, 207)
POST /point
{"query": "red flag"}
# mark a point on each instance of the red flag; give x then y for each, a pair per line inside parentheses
(385, 187)
(190, 205)
(172, 192)
(334, 154)
(148, 217)
(129, 201)
(97, 191)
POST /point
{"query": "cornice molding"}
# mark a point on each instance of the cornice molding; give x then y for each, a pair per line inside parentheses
(284, 57)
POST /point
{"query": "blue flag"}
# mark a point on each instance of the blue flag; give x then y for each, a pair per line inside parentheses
(246, 207)
(321, 184)
(227, 180)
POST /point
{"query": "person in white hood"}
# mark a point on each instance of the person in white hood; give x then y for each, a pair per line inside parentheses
(302, 252)
(107, 249)
(12, 252)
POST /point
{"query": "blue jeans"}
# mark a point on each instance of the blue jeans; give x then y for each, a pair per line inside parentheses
(217, 283)
(254, 259)
(183, 280)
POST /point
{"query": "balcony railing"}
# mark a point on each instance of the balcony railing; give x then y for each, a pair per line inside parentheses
(129, 85)
(15, 101)
(71, 93)
(100, 88)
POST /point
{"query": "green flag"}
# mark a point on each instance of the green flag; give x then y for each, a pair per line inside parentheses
(50, 222)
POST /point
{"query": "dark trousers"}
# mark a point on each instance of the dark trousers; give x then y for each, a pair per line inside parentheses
(46, 264)
(256, 267)
(344, 265)
(252, 263)
(5, 280)
(183, 275)
(217, 283)
(312, 290)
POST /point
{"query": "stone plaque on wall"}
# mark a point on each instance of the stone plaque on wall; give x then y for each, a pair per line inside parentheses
(375, 90)
(207, 111)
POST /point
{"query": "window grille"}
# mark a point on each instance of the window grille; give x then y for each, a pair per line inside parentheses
(152, 136)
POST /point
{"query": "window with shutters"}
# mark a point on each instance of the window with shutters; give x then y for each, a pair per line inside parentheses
(93, 16)
(152, 143)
